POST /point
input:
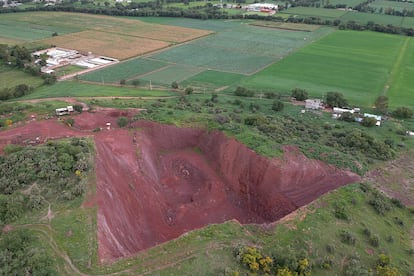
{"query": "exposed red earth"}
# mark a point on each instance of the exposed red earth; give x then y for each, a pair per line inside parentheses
(156, 182)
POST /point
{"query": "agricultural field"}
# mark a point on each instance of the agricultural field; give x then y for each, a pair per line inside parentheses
(330, 14)
(242, 49)
(348, 3)
(399, 6)
(346, 61)
(401, 82)
(102, 35)
(364, 18)
(107, 44)
(286, 26)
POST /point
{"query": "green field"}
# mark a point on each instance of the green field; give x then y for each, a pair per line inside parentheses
(318, 12)
(348, 3)
(347, 61)
(364, 18)
(211, 80)
(401, 91)
(12, 28)
(398, 6)
(76, 89)
(129, 69)
(243, 49)
(9, 78)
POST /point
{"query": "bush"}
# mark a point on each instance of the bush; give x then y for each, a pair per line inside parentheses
(174, 85)
(78, 108)
(277, 106)
(374, 241)
(369, 122)
(335, 99)
(189, 90)
(122, 121)
(347, 117)
(299, 94)
(243, 92)
(122, 82)
(403, 113)
(347, 237)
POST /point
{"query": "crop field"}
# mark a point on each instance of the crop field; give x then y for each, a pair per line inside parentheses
(243, 49)
(322, 13)
(172, 73)
(126, 70)
(76, 89)
(22, 31)
(286, 26)
(399, 6)
(107, 44)
(345, 61)
(363, 18)
(408, 22)
(115, 37)
(401, 91)
(211, 80)
(349, 3)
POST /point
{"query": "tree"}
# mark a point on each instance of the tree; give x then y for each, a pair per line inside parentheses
(277, 106)
(122, 121)
(403, 112)
(189, 90)
(136, 82)
(299, 94)
(335, 99)
(381, 104)
(174, 85)
(347, 117)
(369, 122)
(122, 82)
(78, 108)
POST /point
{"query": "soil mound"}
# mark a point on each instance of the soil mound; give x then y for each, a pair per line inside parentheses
(164, 181)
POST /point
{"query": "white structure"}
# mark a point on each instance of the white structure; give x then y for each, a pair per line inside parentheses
(261, 7)
(313, 104)
(376, 117)
(64, 110)
(410, 133)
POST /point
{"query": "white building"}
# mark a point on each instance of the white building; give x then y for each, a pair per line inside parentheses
(263, 7)
(313, 104)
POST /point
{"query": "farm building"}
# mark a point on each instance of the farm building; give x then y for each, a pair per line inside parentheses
(376, 117)
(64, 110)
(261, 7)
(313, 104)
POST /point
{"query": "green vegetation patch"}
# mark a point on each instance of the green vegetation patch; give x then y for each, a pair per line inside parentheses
(210, 80)
(286, 25)
(398, 6)
(322, 13)
(11, 77)
(243, 50)
(68, 69)
(401, 89)
(132, 68)
(77, 89)
(172, 73)
(382, 19)
(345, 61)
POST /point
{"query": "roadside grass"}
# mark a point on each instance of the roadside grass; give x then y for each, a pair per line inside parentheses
(77, 89)
(344, 61)
(10, 77)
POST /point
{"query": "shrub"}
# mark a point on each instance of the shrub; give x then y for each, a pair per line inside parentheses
(122, 121)
(369, 122)
(403, 113)
(69, 121)
(335, 99)
(277, 106)
(243, 92)
(78, 108)
(374, 241)
(299, 94)
(347, 117)
(174, 85)
(122, 82)
(347, 237)
(189, 90)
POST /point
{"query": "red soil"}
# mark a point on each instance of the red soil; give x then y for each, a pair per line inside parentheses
(156, 182)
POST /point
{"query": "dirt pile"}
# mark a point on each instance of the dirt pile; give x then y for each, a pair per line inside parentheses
(176, 180)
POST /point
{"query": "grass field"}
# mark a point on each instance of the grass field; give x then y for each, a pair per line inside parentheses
(346, 61)
(211, 80)
(349, 3)
(401, 91)
(318, 12)
(172, 73)
(129, 69)
(398, 6)
(68, 69)
(9, 78)
(76, 89)
(286, 25)
(364, 18)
